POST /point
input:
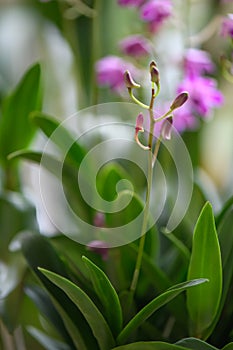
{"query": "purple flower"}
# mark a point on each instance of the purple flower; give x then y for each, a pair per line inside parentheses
(197, 62)
(110, 72)
(155, 12)
(99, 247)
(130, 3)
(184, 119)
(203, 94)
(227, 26)
(135, 45)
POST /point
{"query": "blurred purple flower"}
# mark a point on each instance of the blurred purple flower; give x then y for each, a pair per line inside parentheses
(110, 72)
(184, 118)
(155, 12)
(227, 26)
(135, 45)
(130, 3)
(203, 94)
(99, 247)
(197, 62)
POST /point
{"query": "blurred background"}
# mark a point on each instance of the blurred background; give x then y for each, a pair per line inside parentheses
(68, 37)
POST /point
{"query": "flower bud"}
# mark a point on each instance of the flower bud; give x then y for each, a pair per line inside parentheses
(139, 123)
(167, 128)
(179, 100)
(129, 82)
(154, 72)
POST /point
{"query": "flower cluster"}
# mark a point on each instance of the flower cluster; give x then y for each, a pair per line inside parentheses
(203, 92)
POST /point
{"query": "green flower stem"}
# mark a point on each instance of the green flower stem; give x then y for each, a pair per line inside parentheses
(136, 100)
(164, 116)
(151, 158)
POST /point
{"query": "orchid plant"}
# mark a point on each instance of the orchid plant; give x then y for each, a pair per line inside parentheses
(139, 257)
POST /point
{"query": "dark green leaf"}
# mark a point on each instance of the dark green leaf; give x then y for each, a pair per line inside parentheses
(60, 136)
(94, 318)
(203, 302)
(39, 252)
(46, 307)
(226, 207)
(154, 305)
(226, 243)
(154, 345)
(16, 130)
(107, 295)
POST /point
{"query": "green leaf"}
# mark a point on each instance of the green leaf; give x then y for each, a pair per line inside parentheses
(94, 318)
(38, 251)
(225, 230)
(195, 344)
(107, 295)
(154, 345)
(228, 347)
(203, 302)
(46, 307)
(54, 130)
(226, 207)
(154, 305)
(16, 130)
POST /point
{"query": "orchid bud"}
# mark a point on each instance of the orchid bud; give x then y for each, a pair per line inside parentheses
(129, 82)
(139, 128)
(167, 128)
(139, 123)
(179, 100)
(154, 72)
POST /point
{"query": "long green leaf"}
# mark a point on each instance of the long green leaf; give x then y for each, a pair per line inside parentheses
(195, 344)
(154, 305)
(225, 230)
(60, 136)
(38, 251)
(153, 345)
(16, 130)
(203, 302)
(107, 295)
(94, 318)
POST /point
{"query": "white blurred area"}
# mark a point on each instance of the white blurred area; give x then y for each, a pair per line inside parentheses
(26, 38)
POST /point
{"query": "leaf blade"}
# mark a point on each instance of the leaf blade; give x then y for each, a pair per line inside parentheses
(93, 316)
(154, 305)
(106, 294)
(205, 262)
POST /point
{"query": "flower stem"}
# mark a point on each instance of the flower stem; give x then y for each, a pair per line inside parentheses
(148, 193)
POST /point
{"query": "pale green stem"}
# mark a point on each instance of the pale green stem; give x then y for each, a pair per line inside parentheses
(147, 205)
(136, 100)
(163, 116)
